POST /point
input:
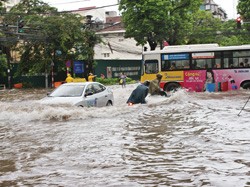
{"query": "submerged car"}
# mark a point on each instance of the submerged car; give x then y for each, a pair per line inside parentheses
(85, 94)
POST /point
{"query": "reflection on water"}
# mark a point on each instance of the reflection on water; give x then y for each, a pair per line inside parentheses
(186, 140)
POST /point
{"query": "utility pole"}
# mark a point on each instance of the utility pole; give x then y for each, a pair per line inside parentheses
(52, 74)
(7, 52)
(46, 78)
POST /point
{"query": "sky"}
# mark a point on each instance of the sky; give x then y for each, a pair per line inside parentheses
(228, 5)
(76, 4)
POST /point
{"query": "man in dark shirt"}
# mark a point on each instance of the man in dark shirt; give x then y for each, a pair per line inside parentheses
(139, 94)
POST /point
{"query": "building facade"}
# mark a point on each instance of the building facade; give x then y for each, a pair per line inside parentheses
(211, 6)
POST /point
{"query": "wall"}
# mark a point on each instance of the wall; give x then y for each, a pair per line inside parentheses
(113, 68)
(110, 68)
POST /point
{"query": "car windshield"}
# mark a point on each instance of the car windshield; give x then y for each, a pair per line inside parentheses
(68, 91)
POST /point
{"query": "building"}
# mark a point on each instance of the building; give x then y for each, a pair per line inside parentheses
(116, 53)
(218, 12)
(10, 3)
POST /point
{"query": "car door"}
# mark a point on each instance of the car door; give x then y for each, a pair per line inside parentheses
(90, 96)
(100, 95)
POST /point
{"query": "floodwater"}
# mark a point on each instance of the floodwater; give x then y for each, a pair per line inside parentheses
(188, 139)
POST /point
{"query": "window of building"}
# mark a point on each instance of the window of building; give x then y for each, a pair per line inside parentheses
(208, 7)
(106, 55)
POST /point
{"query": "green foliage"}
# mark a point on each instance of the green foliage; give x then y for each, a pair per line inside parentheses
(230, 35)
(205, 28)
(3, 65)
(107, 81)
(112, 81)
(154, 21)
(181, 22)
(243, 9)
(228, 41)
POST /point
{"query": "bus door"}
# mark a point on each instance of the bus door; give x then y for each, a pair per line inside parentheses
(151, 64)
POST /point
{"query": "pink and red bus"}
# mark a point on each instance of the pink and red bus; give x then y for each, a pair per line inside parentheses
(199, 67)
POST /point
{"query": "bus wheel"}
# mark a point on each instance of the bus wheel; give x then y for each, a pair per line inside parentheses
(171, 87)
(246, 85)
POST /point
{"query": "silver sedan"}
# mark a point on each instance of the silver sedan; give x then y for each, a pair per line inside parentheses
(86, 94)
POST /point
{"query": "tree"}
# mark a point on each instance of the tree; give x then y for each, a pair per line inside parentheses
(205, 28)
(3, 60)
(233, 36)
(243, 10)
(3, 64)
(31, 44)
(49, 37)
(154, 21)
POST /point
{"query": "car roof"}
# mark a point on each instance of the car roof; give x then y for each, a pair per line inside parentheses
(80, 83)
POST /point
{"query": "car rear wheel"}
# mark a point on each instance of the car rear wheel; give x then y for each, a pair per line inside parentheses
(109, 103)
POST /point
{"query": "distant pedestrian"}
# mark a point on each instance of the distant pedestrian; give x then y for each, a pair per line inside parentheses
(69, 78)
(102, 76)
(91, 77)
(123, 80)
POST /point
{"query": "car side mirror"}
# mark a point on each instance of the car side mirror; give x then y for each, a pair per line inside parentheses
(48, 93)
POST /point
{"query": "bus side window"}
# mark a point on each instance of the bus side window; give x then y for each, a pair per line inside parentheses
(246, 63)
(236, 62)
(200, 64)
(194, 64)
(226, 63)
(164, 65)
(208, 64)
(173, 66)
(217, 63)
(231, 62)
(179, 64)
(186, 64)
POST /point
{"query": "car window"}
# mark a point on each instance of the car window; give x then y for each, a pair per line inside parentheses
(90, 89)
(68, 91)
(98, 88)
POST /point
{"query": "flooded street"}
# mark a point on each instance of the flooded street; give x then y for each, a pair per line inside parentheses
(188, 139)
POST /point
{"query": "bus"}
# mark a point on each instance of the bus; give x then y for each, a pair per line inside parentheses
(195, 67)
